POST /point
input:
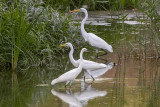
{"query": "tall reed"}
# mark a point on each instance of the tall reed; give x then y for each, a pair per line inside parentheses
(150, 9)
(31, 33)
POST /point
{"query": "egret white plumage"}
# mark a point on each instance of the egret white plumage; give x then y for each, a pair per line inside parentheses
(99, 72)
(70, 76)
(88, 65)
(93, 40)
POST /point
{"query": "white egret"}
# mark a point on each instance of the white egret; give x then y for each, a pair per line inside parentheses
(93, 40)
(88, 65)
(99, 72)
(70, 76)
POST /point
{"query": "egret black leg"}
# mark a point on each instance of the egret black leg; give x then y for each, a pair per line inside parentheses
(90, 74)
(98, 56)
(66, 84)
(105, 52)
(84, 78)
(70, 84)
(92, 77)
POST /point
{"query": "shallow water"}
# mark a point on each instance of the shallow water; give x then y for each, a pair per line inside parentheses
(131, 82)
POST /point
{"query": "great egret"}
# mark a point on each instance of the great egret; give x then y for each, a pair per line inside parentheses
(70, 76)
(99, 72)
(88, 65)
(93, 40)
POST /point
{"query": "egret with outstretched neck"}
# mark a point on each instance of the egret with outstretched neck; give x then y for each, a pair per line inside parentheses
(93, 39)
(70, 76)
(88, 65)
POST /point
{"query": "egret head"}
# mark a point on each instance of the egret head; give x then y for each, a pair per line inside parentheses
(66, 44)
(63, 45)
(77, 10)
(81, 53)
(84, 49)
(69, 45)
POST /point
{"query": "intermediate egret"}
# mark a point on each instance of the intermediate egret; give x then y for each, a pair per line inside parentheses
(70, 76)
(88, 65)
(93, 40)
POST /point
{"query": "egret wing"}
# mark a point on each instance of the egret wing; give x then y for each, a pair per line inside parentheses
(98, 42)
(90, 65)
(70, 75)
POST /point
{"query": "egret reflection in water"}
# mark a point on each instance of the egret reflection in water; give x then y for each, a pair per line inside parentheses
(67, 97)
(80, 98)
(99, 72)
(87, 93)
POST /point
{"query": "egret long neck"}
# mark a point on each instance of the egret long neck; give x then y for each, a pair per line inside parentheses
(73, 61)
(82, 26)
(81, 57)
(80, 67)
(81, 61)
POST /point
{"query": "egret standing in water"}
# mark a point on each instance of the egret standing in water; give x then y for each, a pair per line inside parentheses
(93, 40)
(70, 76)
(88, 65)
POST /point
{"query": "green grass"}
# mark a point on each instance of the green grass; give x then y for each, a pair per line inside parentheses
(30, 33)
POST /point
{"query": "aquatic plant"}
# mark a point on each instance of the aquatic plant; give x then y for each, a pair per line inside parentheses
(150, 9)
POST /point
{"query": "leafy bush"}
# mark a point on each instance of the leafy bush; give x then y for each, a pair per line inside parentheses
(30, 33)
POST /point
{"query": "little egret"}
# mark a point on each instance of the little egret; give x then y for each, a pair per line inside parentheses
(93, 40)
(88, 65)
(70, 76)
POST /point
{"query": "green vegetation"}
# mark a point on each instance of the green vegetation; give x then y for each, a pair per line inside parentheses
(30, 33)
(151, 42)
(94, 4)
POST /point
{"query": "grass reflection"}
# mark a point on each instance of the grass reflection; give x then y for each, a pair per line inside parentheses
(138, 87)
(149, 85)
